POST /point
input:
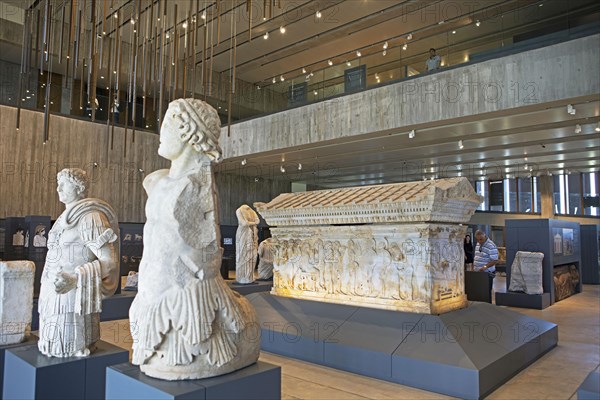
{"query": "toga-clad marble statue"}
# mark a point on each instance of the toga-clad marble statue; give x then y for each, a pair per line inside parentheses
(246, 244)
(185, 321)
(81, 269)
(266, 252)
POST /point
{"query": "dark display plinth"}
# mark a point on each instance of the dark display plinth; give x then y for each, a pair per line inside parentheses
(590, 388)
(590, 254)
(258, 381)
(478, 286)
(254, 287)
(466, 353)
(30, 341)
(28, 374)
(523, 300)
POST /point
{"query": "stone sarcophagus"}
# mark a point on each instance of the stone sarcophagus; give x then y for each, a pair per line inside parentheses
(396, 246)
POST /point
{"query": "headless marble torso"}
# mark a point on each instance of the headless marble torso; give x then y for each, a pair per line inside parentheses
(185, 321)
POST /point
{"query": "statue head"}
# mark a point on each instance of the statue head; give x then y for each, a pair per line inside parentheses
(72, 185)
(190, 122)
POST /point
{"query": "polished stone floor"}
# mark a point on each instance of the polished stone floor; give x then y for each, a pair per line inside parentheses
(556, 375)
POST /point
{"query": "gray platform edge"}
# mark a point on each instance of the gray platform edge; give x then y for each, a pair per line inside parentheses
(483, 381)
(590, 388)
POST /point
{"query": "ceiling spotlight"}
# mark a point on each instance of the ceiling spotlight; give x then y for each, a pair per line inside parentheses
(441, 22)
(184, 25)
(282, 29)
(244, 161)
(409, 37)
(411, 134)
(454, 32)
(597, 129)
(299, 167)
(460, 144)
(311, 74)
(384, 53)
(167, 35)
(140, 170)
(266, 35)
(571, 110)
(477, 23)
(303, 70)
(132, 21)
(318, 14)
(405, 46)
(358, 54)
(116, 16)
(315, 93)
(577, 128)
(282, 169)
(385, 45)
(274, 80)
(348, 63)
(330, 62)
(102, 77)
(258, 87)
(203, 16)
(281, 78)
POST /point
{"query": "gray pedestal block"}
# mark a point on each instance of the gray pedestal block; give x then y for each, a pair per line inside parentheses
(466, 353)
(523, 300)
(258, 381)
(31, 375)
(29, 341)
(254, 287)
(590, 388)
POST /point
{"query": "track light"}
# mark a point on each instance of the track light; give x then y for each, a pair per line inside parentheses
(460, 144)
(330, 62)
(318, 14)
(274, 80)
(385, 45)
(571, 110)
(281, 78)
(266, 35)
(409, 37)
(411, 134)
(184, 26)
(348, 63)
(282, 29)
(405, 46)
(299, 167)
(477, 23)
(303, 70)
(597, 127)
(244, 161)
(282, 169)
(577, 128)
(384, 53)
(315, 93)
(358, 54)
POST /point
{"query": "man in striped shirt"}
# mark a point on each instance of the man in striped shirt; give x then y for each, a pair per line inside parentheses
(486, 253)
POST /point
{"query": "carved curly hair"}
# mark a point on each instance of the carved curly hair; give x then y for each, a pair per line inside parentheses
(77, 177)
(200, 126)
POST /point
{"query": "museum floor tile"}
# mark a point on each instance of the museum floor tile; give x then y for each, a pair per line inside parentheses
(556, 375)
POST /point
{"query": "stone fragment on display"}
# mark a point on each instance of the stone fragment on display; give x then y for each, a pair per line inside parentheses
(526, 273)
(16, 286)
(246, 244)
(81, 269)
(266, 252)
(185, 321)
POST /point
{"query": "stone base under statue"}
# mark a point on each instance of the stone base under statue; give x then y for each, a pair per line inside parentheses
(466, 353)
(258, 381)
(450, 304)
(28, 374)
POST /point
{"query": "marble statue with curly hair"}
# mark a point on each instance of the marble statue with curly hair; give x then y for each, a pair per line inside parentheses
(185, 321)
(81, 269)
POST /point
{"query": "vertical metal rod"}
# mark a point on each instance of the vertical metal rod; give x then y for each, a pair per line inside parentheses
(71, 31)
(48, 79)
(62, 34)
(218, 22)
(93, 58)
(24, 50)
(37, 34)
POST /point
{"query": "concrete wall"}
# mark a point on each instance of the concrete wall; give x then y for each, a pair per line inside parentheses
(533, 78)
(28, 168)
